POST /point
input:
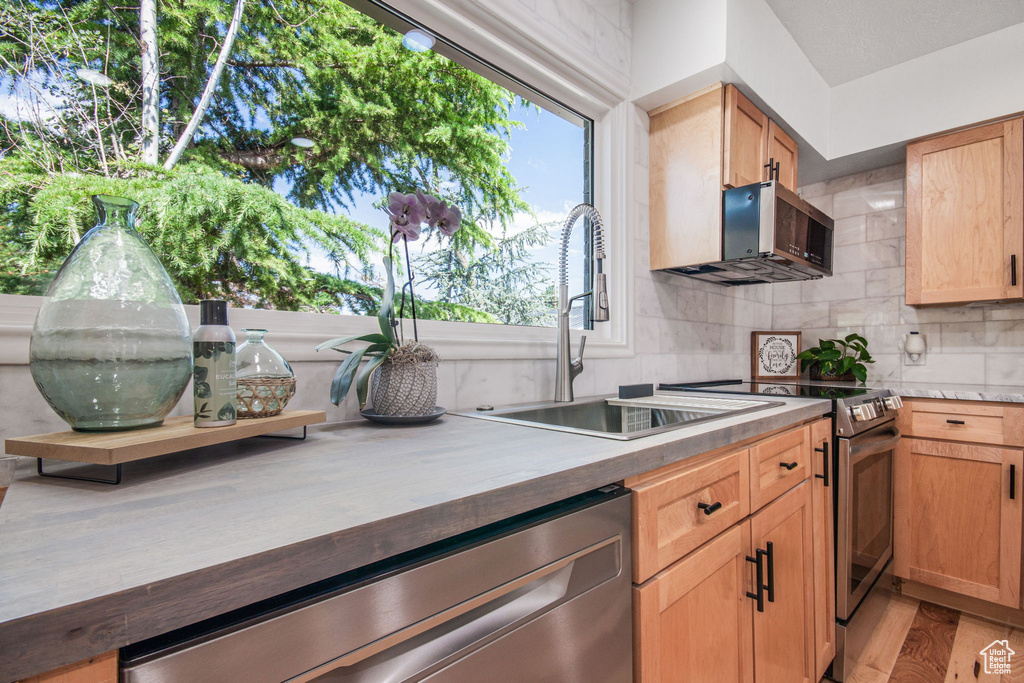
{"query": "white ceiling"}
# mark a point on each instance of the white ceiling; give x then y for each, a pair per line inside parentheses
(847, 39)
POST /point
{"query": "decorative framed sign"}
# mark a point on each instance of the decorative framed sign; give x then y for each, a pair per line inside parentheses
(773, 355)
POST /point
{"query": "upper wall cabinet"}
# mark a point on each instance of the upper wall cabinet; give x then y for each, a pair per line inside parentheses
(710, 141)
(965, 216)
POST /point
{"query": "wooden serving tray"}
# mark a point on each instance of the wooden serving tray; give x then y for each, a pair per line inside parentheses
(174, 435)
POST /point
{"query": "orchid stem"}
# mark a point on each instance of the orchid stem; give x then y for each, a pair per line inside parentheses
(412, 294)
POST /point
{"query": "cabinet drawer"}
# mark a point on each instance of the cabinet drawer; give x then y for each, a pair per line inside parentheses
(970, 421)
(777, 465)
(675, 515)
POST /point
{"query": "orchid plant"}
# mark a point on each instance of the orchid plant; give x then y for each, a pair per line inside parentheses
(408, 214)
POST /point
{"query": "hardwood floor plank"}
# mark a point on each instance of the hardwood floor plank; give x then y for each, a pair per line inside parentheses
(884, 646)
(926, 651)
(865, 674)
(972, 634)
(1015, 636)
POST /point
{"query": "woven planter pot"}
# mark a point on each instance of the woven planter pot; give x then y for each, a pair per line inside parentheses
(406, 389)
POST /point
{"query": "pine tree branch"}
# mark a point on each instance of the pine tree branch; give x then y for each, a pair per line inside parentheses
(211, 86)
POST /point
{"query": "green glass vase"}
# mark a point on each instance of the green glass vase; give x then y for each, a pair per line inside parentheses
(111, 346)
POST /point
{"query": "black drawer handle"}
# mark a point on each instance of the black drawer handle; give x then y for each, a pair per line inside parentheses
(1013, 270)
(789, 465)
(758, 561)
(955, 422)
(708, 509)
(1013, 482)
(770, 554)
(824, 451)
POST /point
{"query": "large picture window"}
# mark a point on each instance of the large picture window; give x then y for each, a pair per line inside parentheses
(265, 149)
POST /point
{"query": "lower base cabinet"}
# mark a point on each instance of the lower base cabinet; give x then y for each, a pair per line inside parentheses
(958, 518)
(708, 619)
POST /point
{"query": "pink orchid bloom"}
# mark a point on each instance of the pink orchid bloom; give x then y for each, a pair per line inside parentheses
(434, 207)
(410, 231)
(405, 209)
(449, 219)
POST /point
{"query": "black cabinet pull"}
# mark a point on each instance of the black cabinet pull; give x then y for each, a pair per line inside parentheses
(708, 509)
(758, 561)
(955, 422)
(770, 554)
(1013, 482)
(789, 465)
(773, 169)
(824, 451)
(1013, 270)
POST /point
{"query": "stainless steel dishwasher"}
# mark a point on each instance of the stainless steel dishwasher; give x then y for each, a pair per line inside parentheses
(544, 596)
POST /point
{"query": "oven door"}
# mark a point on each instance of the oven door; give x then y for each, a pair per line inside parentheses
(864, 516)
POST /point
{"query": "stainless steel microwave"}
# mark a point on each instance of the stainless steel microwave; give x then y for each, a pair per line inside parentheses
(769, 234)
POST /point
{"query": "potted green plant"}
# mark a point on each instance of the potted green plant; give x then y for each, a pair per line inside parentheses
(404, 374)
(838, 359)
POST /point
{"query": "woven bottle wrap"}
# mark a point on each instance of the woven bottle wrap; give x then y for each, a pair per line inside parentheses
(405, 388)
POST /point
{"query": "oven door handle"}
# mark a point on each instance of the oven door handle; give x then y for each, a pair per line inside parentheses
(875, 447)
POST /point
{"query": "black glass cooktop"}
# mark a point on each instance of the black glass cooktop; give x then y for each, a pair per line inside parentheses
(770, 388)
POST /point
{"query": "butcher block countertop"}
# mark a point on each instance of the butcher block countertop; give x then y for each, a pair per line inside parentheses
(87, 568)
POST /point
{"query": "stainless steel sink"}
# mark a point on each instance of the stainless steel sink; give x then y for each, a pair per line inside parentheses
(611, 418)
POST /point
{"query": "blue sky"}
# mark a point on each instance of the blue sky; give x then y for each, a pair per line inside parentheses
(547, 161)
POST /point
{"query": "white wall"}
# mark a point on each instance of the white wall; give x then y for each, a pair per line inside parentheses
(974, 81)
(958, 86)
(681, 50)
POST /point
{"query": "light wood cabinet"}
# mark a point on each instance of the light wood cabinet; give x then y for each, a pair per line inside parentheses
(958, 518)
(782, 155)
(965, 216)
(824, 546)
(745, 151)
(973, 422)
(784, 631)
(777, 465)
(677, 513)
(99, 669)
(708, 141)
(696, 615)
(693, 621)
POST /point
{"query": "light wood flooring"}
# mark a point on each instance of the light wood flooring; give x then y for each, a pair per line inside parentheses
(919, 642)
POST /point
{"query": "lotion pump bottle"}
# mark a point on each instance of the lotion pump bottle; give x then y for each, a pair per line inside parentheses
(214, 383)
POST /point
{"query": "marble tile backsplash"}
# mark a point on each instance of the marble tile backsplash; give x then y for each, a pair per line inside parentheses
(975, 344)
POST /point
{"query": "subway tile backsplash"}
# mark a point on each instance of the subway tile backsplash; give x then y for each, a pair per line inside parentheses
(966, 344)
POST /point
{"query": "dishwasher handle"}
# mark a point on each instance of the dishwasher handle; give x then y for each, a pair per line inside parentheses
(458, 628)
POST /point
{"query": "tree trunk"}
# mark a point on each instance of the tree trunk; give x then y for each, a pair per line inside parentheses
(150, 83)
(211, 87)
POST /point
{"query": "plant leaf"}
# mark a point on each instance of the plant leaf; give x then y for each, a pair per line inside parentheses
(333, 343)
(860, 372)
(343, 377)
(846, 364)
(831, 354)
(387, 305)
(853, 336)
(363, 383)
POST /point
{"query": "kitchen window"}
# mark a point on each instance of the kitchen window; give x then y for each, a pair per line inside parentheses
(275, 200)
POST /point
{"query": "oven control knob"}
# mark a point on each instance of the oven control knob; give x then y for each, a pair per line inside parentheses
(863, 412)
(893, 402)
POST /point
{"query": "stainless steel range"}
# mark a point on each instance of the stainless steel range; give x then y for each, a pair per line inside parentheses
(861, 456)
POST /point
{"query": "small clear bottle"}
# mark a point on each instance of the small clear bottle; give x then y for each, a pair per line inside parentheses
(214, 382)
